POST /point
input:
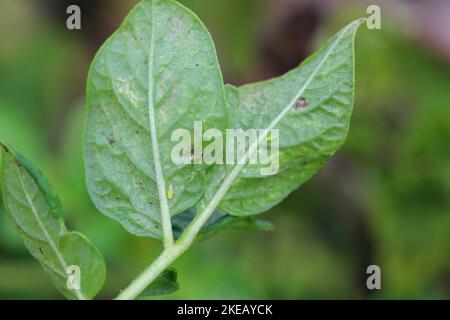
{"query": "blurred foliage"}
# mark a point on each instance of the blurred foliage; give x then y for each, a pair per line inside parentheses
(384, 199)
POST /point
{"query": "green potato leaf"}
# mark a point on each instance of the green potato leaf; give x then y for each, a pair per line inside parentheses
(35, 210)
(157, 72)
(311, 106)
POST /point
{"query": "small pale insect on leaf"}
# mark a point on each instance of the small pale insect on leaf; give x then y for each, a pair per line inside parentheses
(170, 192)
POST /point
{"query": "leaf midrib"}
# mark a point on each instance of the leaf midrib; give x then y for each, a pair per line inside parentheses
(289, 106)
(163, 201)
(58, 254)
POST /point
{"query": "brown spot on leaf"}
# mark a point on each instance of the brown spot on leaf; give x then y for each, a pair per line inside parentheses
(301, 103)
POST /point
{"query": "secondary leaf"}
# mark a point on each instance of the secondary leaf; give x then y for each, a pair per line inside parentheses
(311, 106)
(35, 210)
(52, 198)
(166, 283)
(161, 60)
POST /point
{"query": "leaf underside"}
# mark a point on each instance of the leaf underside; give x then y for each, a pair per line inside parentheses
(311, 106)
(30, 201)
(187, 86)
(313, 129)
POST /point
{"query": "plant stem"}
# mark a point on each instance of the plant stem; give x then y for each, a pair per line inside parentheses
(161, 263)
(171, 253)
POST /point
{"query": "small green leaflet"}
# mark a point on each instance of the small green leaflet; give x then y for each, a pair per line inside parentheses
(34, 208)
(166, 283)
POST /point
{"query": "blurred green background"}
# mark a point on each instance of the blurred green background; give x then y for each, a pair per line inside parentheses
(384, 199)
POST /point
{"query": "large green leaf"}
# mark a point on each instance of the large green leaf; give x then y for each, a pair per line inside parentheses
(36, 212)
(311, 106)
(157, 73)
